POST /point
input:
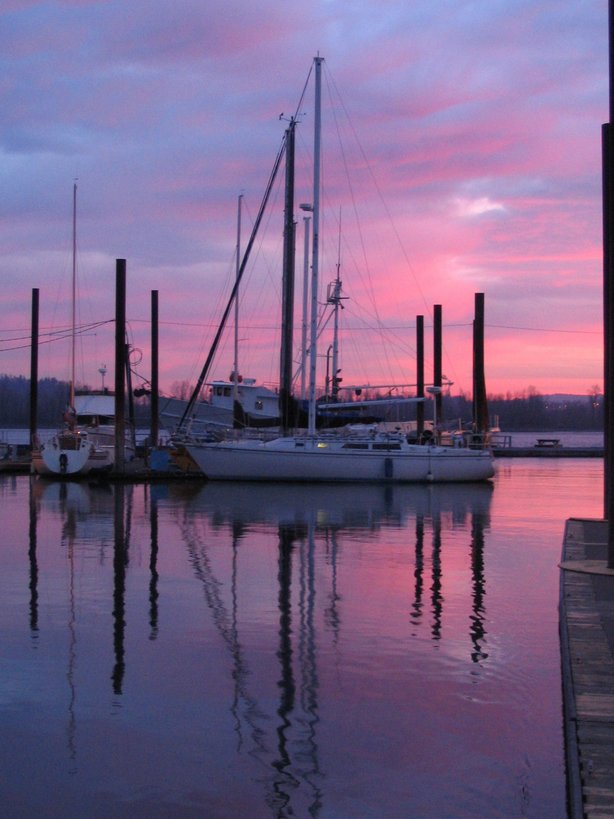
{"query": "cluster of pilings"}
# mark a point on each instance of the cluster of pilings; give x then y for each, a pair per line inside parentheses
(121, 366)
(480, 405)
(480, 408)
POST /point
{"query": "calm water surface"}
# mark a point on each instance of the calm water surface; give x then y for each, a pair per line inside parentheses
(251, 651)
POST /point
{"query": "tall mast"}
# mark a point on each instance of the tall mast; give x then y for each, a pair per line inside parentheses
(287, 320)
(74, 294)
(315, 245)
(306, 223)
(235, 368)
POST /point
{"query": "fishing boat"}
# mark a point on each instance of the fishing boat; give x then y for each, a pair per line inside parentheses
(86, 441)
(258, 406)
(361, 453)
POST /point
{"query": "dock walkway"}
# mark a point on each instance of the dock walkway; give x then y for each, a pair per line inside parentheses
(587, 655)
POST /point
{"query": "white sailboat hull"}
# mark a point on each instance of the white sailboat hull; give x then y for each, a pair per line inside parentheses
(89, 447)
(67, 454)
(318, 460)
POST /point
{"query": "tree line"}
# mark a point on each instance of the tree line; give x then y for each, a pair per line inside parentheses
(532, 411)
(526, 411)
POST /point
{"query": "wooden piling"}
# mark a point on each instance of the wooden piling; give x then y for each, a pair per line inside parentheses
(420, 373)
(120, 341)
(607, 146)
(34, 368)
(480, 405)
(154, 429)
(437, 361)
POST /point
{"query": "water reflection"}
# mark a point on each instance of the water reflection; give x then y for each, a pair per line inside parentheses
(33, 566)
(153, 569)
(120, 564)
(477, 629)
(330, 514)
(275, 707)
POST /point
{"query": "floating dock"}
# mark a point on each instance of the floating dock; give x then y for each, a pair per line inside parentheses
(586, 612)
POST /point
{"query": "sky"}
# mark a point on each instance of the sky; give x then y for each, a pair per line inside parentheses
(461, 154)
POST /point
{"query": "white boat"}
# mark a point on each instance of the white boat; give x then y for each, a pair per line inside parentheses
(68, 452)
(362, 455)
(259, 406)
(86, 441)
(357, 457)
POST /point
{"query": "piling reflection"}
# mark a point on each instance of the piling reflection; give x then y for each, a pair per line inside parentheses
(275, 707)
(308, 518)
(153, 569)
(98, 514)
(33, 565)
(120, 564)
(477, 627)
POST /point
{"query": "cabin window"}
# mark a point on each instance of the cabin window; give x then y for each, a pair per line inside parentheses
(356, 446)
(387, 446)
(227, 392)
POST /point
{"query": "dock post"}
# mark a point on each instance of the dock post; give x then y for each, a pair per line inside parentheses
(34, 368)
(420, 374)
(120, 353)
(607, 146)
(154, 431)
(437, 366)
(480, 406)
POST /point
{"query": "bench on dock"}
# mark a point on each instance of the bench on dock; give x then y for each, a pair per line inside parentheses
(548, 442)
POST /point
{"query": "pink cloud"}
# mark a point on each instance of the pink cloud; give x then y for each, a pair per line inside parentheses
(481, 131)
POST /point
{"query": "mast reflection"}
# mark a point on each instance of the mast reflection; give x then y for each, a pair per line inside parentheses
(310, 561)
(304, 517)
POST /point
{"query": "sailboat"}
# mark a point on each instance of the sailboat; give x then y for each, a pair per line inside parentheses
(86, 441)
(362, 453)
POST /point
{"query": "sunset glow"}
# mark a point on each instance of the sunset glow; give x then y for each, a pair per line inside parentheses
(470, 163)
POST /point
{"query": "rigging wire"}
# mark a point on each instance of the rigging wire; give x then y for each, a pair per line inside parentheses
(54, 335)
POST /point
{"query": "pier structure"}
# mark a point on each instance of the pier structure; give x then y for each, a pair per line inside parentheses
(586, 622)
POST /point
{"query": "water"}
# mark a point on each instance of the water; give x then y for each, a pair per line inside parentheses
(245, 651)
